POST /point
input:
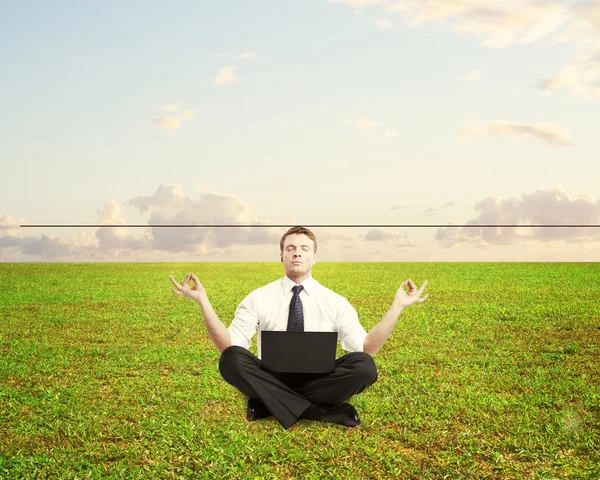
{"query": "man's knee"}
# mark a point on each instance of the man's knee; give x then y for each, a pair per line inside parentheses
(365, 367)
(231, 360)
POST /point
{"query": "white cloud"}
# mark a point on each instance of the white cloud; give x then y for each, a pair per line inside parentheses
(173, 107)
(362, 123)
(9, 226)
(248, 56)
(115, 238)
(360, 3)
(390, 134)
(173, 123)
(584, 30)
(434, 210)
(582, 76)
(169, 123)
(225, 75)
(473, 76)
(169, 205)
(381, 235)
(552, 206)
(498, 24)
(551, 134)
(188, 115)
(512, 22)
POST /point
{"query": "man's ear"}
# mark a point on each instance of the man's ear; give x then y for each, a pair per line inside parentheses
(315, 260)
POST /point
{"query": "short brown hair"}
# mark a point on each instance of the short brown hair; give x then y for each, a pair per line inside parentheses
(299, 231)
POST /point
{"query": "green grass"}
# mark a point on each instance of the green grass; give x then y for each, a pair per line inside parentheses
(105, 373)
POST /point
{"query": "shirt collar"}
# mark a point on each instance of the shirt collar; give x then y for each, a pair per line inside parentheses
(309, 285)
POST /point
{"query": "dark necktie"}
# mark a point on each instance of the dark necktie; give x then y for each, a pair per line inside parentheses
(296, 317)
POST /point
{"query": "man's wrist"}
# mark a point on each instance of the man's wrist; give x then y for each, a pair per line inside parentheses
(203, 298)
(397, 308)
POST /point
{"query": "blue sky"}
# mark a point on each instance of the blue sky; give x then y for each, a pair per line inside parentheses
(281, 112)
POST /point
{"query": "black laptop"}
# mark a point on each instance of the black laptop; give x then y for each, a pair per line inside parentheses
(298, 352)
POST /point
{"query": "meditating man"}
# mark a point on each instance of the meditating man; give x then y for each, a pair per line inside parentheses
(300, 301)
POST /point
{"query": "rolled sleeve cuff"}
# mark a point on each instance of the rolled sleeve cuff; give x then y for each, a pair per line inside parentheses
(355, 341)
(238, 338)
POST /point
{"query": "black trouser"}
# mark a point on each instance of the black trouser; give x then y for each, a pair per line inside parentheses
(287, 396)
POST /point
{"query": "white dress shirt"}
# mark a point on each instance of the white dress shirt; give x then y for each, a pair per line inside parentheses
(267, 308)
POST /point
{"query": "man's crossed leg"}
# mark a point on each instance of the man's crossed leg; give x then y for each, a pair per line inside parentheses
(289, 397)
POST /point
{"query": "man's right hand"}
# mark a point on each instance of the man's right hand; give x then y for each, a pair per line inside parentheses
(184, 290)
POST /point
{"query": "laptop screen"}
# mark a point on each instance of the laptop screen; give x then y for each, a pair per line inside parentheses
(298, 352)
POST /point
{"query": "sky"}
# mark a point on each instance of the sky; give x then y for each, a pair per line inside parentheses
(318, 112)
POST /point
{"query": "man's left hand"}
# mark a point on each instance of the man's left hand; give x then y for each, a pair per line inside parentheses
(406, 299)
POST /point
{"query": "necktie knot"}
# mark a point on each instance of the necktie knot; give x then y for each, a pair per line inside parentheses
(297, 289)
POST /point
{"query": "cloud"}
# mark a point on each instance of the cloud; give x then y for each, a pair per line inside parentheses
(360, 3)
(173, 107)
(169, 123)
(116, 238)
(385, 235)
(497, 24)
(584, 30)
(551, 134)
(188, 115)
(169, 205)
(248, 56)
(173, 123)
(553, 206)
(9, 226)
(362, 123)
(225, 75)
(434, 210)
(514, 22)
(473, 76)
(582, 76)
(380, 234)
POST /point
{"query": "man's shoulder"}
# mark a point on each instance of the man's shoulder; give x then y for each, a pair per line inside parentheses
(268, 288)
(328, 292)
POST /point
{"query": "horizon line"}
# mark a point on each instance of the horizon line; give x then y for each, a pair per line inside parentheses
(304, 225)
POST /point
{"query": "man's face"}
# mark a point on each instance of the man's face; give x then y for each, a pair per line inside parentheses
(298, 255)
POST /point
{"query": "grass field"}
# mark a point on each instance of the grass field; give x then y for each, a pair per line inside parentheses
(105, 373)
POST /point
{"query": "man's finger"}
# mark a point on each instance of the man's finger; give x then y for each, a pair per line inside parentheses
(176, 292)
(422, 287)
(196, 281)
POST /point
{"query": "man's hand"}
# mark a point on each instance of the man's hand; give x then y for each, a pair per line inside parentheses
(184, 290)
(404, 299)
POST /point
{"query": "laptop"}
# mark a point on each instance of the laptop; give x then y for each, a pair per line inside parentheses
(298, 352)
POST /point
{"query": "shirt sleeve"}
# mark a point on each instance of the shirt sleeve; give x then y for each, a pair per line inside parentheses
(244, 324)
(350, 332)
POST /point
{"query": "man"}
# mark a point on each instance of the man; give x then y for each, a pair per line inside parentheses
(297, 297)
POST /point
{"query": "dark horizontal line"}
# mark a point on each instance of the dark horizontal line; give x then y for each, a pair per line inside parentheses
(304, 225)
